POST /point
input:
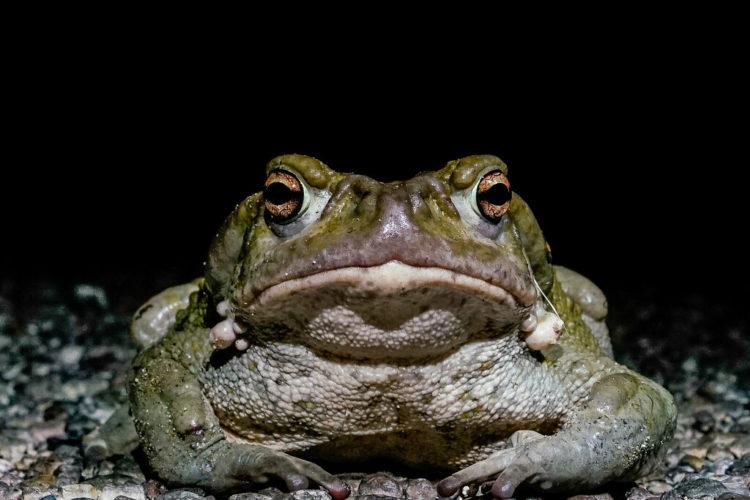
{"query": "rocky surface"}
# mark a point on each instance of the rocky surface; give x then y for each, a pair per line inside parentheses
(64, 351)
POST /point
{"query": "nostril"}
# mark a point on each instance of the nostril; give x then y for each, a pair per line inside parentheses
(360, 189)
(416, 201)
(429, 193)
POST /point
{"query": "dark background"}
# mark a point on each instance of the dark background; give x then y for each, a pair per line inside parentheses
(119, 169)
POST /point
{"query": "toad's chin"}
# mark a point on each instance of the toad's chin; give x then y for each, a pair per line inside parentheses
(391, 310)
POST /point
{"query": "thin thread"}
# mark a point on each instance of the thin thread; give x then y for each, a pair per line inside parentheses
(536, 283)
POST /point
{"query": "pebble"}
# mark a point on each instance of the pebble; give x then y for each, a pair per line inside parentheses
(43, 431)
(70, 355)
(704, 421)
(12, 449)
(382, 485)
(742, 425)
(718, 453)
(8, 492)
(82, 490)
(741, 466)
(89, 294)
(657, 487)
(311, 495)
(127, 467)
(420, 489)
(741, 446)
(185, 494)
(693, 462)
(261, 495)
(698, 452)
(639, 493)
(697, 488)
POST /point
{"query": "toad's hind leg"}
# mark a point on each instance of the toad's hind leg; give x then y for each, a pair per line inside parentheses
(617, 436)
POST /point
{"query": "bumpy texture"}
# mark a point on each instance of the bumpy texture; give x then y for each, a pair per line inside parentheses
(385, 314)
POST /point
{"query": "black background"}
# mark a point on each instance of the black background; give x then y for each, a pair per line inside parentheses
(633, 163)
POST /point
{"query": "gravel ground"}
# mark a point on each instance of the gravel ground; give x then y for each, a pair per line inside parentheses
(64, 351)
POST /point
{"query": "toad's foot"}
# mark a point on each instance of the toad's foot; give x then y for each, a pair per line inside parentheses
(615, 437)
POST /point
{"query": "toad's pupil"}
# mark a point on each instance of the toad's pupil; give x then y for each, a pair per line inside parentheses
(499, 194)
(278, 194)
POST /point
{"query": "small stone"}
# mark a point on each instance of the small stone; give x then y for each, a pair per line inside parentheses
(690, 365)
(657, 487)
(133, 491)
(672, 459)
(45, 430)
(5, 466)
(696, 451)
(600, 496)
(184, 494)
(639, 493)
(718, 453)
(71, 355)
(697, 488)
(68, 473)
(126, 466)
(381, 485)
(72, 491)
(271, 492)
(741, 446)
(469, 491)
(311, 495)
(152, 489)
(12, 450)
(95, 449)
(66, 451)
(103, 480)
(740, 467)
(704, 421)
(89, 294)
(742, 426)
(38, 492)
(694, 463)
(8, 492)
(420, 489)
(723, 439)
(255, 496)
(736, 484)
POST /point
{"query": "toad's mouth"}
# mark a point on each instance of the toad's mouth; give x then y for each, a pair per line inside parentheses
(389, 310)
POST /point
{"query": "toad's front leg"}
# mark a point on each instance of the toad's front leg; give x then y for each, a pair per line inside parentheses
(185, 444)
(617, 436)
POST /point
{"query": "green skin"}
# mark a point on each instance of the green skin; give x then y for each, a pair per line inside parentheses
(612, 427)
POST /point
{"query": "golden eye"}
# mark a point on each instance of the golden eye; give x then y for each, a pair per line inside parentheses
(283, 194)
(493, 195)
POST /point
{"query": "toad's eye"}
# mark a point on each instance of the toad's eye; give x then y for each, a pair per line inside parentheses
(284, 195)
(493, 195)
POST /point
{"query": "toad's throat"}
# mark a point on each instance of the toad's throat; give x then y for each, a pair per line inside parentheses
(388, 311)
